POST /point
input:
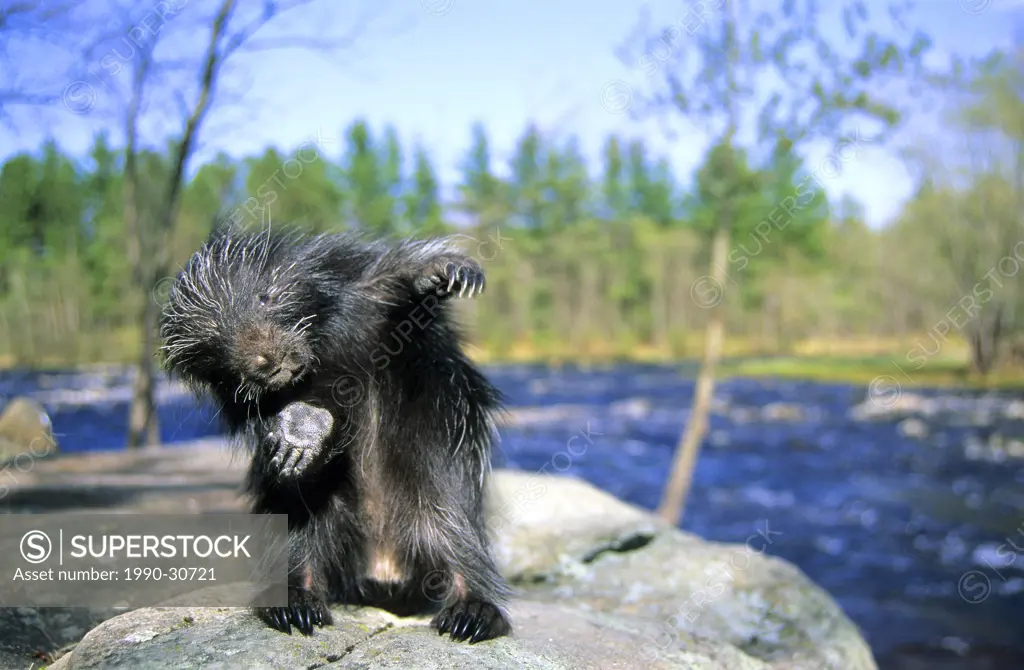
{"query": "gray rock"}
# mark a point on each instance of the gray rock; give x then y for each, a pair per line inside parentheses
(744, 415)
(547, 636)
(602, 584)
(28, 630)
(782, 411)
(579, 545)
(522, 417)
(25, 432)
(541, 524)
(997, 449)
(634, 409)
(886, 400)
(913, 428)
(1014, 410)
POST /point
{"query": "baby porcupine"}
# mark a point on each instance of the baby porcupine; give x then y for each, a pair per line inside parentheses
(337, 361)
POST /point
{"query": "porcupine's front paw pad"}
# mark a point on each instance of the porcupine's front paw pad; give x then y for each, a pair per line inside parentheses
(461, 279)
(299, 438)
(471, 620)
(304, 611)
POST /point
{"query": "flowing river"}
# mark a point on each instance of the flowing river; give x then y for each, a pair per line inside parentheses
(908, 510)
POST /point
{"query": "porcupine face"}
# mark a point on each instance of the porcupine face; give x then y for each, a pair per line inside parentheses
(239, 316)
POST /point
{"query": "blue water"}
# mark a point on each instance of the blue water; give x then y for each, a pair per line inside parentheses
(905, 533)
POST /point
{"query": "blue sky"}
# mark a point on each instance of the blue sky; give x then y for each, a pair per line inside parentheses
(433, 67)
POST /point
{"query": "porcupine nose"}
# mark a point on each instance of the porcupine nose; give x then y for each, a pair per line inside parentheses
(267, 363)
(278, 370)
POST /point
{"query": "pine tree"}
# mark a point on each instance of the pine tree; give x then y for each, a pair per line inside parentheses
(614, 190)
(371, 206)
(480, 191)
(526, 184)
(423, 201)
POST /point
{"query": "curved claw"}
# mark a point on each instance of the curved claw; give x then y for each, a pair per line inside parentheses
(472, 621)
(450, 272)
(464, 278)
(295, 463)
(300, 615)
(304, 610)
(297, 439)
(277, 618)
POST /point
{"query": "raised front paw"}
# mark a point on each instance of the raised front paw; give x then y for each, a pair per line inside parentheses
(297, 438)
(305, 610)
(472, 620)
(462, 278)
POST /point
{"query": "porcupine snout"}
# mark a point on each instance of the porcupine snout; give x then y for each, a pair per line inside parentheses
(272, 357)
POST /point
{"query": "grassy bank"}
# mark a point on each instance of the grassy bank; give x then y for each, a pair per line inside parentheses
(854, 370)
(850, 360)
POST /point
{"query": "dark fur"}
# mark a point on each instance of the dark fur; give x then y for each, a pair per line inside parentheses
(338, 362)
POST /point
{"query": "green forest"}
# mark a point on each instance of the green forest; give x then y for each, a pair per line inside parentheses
(594, 262)
(578, 264)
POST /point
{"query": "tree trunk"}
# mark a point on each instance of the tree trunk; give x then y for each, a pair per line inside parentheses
(590, 299)
(562, 301)
(144, 426)
(673, 502)
(985, 341)
(677, 309)
(659, 300)
(142, 422)
(524, 302)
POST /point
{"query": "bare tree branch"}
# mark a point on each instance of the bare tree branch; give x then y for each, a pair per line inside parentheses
(222, 43)
(19, 22)
(211, 70)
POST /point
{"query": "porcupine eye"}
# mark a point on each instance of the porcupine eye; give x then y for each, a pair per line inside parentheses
(264, 299)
